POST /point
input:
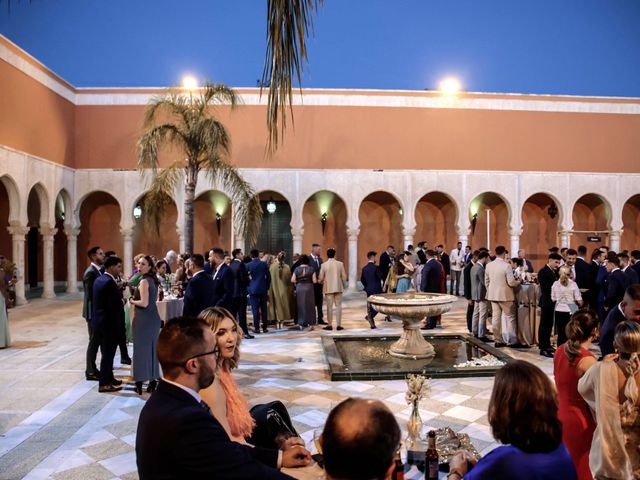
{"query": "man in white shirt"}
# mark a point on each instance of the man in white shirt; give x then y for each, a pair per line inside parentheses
(457, 264)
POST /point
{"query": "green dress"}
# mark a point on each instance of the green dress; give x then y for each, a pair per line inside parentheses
(281, 292)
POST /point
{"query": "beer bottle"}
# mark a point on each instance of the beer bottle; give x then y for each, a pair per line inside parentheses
(398, 471)
(431, 458)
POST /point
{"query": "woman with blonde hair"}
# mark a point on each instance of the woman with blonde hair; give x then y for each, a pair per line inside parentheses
(570, 362)
(610, 388)
(566, 295)
(228, 405)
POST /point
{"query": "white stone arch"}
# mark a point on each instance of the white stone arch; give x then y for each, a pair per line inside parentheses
(68, 205)
(46, 215)
(449, 195)
(85, 195)
(607, 202)
(308, 196)
(562, 219)
(15, 205)
(503, 197)
(399, 199)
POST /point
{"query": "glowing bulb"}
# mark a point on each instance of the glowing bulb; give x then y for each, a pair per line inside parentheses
(189, 82)
(450, 86)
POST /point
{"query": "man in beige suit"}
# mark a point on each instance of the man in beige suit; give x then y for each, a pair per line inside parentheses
(332, 276)
(499, 280)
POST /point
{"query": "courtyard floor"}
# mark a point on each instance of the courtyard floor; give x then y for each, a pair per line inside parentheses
(55, 424)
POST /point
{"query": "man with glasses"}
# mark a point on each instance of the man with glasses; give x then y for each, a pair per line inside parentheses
(178, 437)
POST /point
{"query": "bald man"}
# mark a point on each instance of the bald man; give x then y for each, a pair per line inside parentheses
(359, 440)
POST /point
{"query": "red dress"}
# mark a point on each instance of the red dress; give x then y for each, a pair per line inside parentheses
(577, 422)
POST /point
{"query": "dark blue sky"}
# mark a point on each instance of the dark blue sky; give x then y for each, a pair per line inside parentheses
(579, 47)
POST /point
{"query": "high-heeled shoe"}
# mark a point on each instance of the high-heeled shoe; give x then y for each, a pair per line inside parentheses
(153, 384)
(138, 388)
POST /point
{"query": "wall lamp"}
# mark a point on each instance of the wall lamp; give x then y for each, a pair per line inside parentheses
(271, 206)
(137, 212)
(323, 219)
(552, 210)
(218, 220)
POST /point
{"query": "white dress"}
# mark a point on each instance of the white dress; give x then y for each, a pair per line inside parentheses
(5, 338)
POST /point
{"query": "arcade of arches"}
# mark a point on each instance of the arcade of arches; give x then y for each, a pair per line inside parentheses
(48, 230)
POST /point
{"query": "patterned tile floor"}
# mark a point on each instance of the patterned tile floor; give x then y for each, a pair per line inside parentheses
(54, 424)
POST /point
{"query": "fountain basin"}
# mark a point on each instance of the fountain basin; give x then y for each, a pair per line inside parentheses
(412, 308)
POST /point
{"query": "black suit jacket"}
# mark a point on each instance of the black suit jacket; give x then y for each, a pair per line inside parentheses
(431, 276)
(422, 256)
(466, 279)
(88, 279)
(198, 295)
(371, 279)
(240, 278)
(632, 275)
(616, 284)
(583, 274)
(223, 287)
(178, 439)
(546, 278)
(107, 315)
(385, 264)
(446, 263)
(608, 330)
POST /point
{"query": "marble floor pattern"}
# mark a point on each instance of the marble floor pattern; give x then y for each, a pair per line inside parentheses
(54, 424)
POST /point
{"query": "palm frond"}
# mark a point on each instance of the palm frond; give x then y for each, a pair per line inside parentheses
(212, 134)
(150, 142)
(247, 212)
(170, 102)
(160, 195)
(288, 24)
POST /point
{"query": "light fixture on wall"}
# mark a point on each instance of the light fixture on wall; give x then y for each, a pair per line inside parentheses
(552, 210)
(323, 219)
(474, 220)
(271, 206)
(218, 220)
(137, 212)
(400, 211)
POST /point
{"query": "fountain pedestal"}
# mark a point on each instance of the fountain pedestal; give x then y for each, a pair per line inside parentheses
(412, 307)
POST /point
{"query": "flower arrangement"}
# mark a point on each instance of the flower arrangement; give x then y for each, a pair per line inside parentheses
(417, 388)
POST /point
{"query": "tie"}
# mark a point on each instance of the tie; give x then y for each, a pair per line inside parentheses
(204, 405)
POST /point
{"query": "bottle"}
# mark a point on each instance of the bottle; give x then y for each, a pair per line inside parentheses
(431, 458)
(398, 471)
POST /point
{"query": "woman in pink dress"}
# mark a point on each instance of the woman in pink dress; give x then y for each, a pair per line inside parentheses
(570, 362)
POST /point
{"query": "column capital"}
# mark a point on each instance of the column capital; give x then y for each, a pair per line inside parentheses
(353, 233)
(127, 233)
(616, 233)
(70, 231)
(20, 230)
(297, 232)
(408, 231)
(48, 231)
(515, 231)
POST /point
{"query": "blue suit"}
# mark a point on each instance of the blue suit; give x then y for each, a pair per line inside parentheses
(372, 280)
(259, 283)
(223, 283)
(615, 286)
(107, 321)
(198, 295)
(608, 330)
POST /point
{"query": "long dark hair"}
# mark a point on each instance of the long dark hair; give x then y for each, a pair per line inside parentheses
(152, 271)
(582, 325)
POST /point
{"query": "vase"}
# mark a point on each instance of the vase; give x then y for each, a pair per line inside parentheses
(414, 424)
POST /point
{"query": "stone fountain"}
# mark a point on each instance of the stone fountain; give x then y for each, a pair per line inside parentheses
(412, 308)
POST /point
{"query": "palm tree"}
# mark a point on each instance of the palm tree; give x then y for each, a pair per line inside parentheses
(192, 129)
(288, 25)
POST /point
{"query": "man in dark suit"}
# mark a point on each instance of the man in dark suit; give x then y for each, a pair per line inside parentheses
(222, 280)
(315, 262)
(259, 283)
(93, 271)
(626, 268)
(431, 281)
(583, 275)
(635, 261)
(598, 276)
(616, 283)
(546, 277)
(199, 292)
(628, 309)
(443, 257)
(178, 437)
(107, 319)
(240, 283)
(529, 265)
(386, 260)
(466, 283)
(371, 280)
(422, 246)
(468, 254)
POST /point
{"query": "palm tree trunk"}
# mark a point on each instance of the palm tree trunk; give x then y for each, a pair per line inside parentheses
(189, 194)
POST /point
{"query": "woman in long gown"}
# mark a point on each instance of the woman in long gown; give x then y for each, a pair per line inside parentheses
(570, 362)
(281, 289)
(303, 278)
(610, 388)
(404, 271)
(146, 328)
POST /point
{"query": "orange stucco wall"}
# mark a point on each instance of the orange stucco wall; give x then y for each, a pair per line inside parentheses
(386, 137)
(34, 119)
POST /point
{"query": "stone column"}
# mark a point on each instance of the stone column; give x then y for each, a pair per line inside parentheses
(181, 240)
(72, 258)
(127, 253)
(464, 239)
(564, 239)
(240, 243)
(18, 233)
(297, 239)
(514, 245)
(407, 236)
(47, 261)
(614, 239)
(352, 234)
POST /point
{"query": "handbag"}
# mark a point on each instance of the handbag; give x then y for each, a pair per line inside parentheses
(573, 307)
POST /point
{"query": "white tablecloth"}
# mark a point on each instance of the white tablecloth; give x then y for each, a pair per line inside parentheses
(170, 308)
(526, 313)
